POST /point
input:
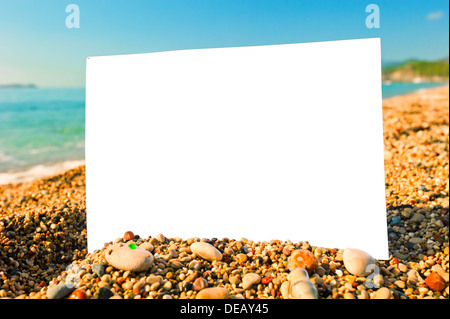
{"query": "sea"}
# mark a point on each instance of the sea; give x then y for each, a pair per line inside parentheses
(42, 130)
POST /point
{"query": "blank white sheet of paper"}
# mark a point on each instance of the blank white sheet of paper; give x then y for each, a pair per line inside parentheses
(262, 142)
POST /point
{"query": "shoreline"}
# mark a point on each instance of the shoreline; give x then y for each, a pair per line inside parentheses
(421, 91)
(38, 172)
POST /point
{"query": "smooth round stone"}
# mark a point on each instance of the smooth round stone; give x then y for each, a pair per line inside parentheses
(213, 293)
(199, 284)
(129, 257)
(206, 251)
(250, 279)
(59, 291)
(298, 274)
(303, 289)
(303, 258)
(284, 289)
(357, 262)
(383, 293)
(417, 218)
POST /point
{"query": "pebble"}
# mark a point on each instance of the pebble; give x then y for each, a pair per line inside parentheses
(298, 274)
(444, 274)
(303, 258)
(358, 262)
(416, 240)
(435, 282)
(383, 293)
(234, 280)
(249, 280)
(206, 251)
(395, 220)
(413, 277)
(417, 218)
(199, 284)
(242, 258)
(128, 236)
(349, 295)
(284, 289)
(303, 289)
(132, 258)
(59, 291)
(98, 269)
(195, 264)
(78, 294)
(400, 284)
(213, 293)
(104, 293)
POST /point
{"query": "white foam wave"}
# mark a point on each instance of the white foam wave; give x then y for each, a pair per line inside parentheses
(38, 171)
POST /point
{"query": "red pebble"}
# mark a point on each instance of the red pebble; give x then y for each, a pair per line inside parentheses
(395, 261)
(266, 280)
(435, 282)
(128, 236)
(305, 259)
(78, 294)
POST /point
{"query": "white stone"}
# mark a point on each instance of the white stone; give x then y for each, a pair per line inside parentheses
(284, 289)
(303, 289)
(206, 251)
(298, 274)
(125, 257)
(358, 262)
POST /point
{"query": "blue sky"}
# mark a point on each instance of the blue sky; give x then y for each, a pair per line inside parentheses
(37, 47)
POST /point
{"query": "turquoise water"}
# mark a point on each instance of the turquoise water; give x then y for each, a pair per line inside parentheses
(404, 88)
(45, 126)
(40, 126)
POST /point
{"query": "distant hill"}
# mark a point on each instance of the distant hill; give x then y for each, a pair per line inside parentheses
(417, 71)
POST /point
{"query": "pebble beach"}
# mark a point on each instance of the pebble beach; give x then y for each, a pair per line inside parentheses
(43, 238)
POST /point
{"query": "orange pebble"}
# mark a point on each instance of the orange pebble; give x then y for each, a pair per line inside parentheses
(435, 282)
(303, 258)
(78, 294)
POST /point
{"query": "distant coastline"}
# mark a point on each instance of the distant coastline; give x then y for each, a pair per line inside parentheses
(18, 86)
